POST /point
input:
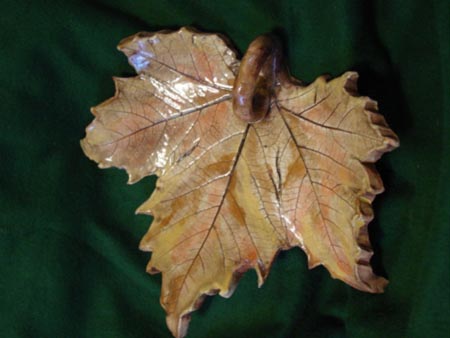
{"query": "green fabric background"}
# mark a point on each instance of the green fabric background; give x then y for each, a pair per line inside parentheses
(69, 261)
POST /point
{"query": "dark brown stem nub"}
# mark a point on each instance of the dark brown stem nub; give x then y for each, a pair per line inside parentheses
(259, 74)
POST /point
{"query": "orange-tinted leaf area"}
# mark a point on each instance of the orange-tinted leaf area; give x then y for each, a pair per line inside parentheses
(232, 194)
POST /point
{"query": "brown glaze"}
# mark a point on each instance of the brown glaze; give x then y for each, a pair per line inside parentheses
(258, 77)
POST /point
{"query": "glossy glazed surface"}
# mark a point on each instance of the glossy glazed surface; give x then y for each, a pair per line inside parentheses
(232, 194)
